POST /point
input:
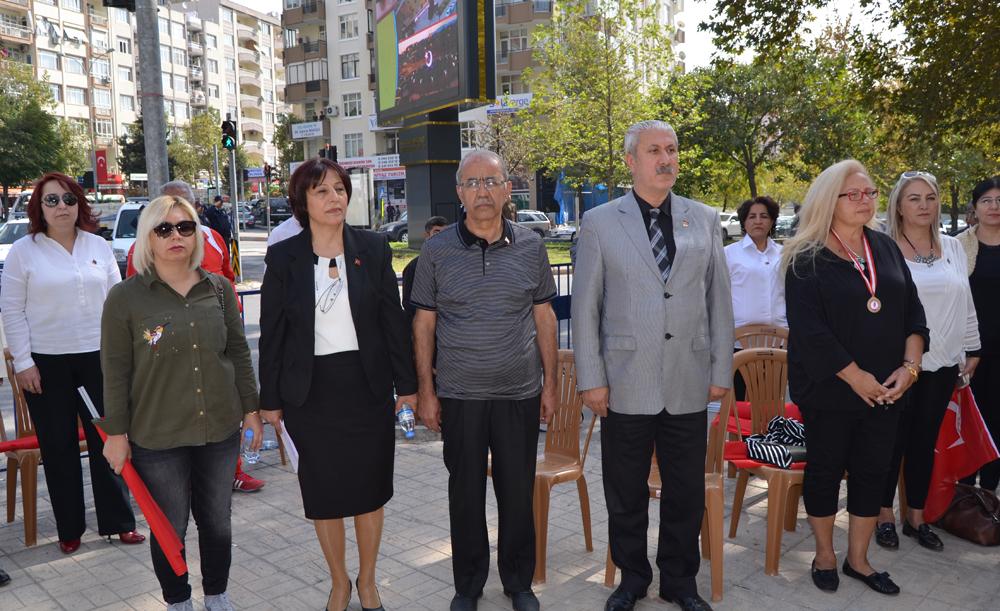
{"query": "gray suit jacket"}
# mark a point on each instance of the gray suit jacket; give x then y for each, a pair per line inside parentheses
(657, 347)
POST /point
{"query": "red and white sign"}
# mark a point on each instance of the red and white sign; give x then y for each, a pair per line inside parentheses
(102, 166)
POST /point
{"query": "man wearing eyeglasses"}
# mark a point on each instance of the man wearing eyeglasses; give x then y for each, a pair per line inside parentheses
(482, 295)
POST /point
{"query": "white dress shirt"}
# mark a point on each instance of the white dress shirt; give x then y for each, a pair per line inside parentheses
(758, 288)
(944, 291)
(286, 229)
(52, 299)
(334, 330)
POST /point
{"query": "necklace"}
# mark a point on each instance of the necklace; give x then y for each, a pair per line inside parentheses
(868, 273)
(919, 258)
(855, 256)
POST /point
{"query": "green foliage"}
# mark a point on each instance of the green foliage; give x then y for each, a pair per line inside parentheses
(288, 150)
(132, 151)
(503, 134)
(600, 64)
(242, 162)
(75, 155)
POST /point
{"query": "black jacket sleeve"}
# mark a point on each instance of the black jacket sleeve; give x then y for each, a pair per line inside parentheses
(395, 326)
(272, 323)
(805, 308)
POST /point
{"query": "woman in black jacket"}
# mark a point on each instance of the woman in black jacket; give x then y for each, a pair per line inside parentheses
(334, 343)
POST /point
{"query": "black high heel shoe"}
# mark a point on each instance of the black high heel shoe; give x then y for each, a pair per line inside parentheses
(364, 608)
(349, 586)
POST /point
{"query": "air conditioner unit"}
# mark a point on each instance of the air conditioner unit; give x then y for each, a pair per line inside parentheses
(106, 80)
(332, 111)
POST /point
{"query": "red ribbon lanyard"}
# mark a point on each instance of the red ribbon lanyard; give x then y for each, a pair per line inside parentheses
(870, 278)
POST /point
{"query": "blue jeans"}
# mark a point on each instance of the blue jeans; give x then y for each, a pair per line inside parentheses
(196, 480)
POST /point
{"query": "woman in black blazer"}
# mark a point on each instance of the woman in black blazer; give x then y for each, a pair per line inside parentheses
(334, 343)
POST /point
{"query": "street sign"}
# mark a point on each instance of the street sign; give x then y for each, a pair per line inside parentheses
(309, 129)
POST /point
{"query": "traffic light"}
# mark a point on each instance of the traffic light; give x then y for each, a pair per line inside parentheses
(267, 172)
(229, 135)
(330, 152)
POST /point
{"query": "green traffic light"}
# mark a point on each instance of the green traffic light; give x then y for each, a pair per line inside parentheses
(228, 142)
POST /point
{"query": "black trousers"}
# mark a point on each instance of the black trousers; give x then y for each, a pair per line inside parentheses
(508, 430)
(627, 443)
(986, 388)
(858, 441)
(917, 435)
(55, 413)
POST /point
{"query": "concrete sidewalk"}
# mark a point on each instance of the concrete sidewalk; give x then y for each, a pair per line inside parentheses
(277, 563)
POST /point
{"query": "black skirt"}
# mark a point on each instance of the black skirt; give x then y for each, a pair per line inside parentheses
(345, 436)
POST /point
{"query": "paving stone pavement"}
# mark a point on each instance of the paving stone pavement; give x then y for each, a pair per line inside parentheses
(277, 563)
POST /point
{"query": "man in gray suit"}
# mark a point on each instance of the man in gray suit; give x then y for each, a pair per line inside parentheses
(653, 340)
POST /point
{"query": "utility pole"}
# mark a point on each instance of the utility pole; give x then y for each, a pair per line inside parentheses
(150, 79)
(234, 199)
(218, 181)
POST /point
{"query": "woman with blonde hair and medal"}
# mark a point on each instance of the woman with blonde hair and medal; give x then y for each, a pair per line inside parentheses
(857, 335)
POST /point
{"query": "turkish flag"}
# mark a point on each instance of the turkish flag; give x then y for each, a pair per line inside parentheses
(964, 445)
(102, 167)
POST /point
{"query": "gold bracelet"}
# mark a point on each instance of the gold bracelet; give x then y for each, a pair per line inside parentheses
(913, 370)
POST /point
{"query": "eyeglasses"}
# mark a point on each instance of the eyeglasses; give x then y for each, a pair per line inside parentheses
(856, 195)
(185, 228)
(490, 182)
(52, 200)
(917, 174)
(988, 201)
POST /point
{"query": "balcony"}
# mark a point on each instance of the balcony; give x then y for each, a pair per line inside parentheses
(99, 20)
(245, 33)
(100, 80)
(519, 60)
(310, 12)
(253, 149)
(17, 5)
(195, 48)
(102, 112)
(303, 52)
(15, 33)
(194, 23)
(249, 79)
(196, 73)
(512, 13)
(248, 57)
(250, 101)
(309, 90)
(198, 98)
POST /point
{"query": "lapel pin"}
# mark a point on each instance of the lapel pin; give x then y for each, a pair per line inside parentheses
(684, 223)
(357, 262)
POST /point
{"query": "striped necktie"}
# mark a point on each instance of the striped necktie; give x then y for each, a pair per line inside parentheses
(659, 244)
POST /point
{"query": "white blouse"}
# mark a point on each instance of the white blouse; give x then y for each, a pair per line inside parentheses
(943, 287)
(52, 299)
(334, 329)
(758, 288)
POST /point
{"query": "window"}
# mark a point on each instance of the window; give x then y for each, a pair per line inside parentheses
(77, 37)
(165, 80)
(349, 66)
(230, 41)
(164, 25)
(511, 41)
(266, 27)
(354, 145)
(348, 26)
(213, 66)
(309, 108)
(231, 88)
(126, 102)
(121, 15)
(73, 5)
(124, 46)
(232, 111)
(512, 84)
(180, 83)
(227, 14)
(125, 73)
(179, 56)
(100, 68)
(231, 64)
(182, 110)
(76, 95)
(392, 143)
(211, 41)
(344, 1)
(56, 91)
(48, 60)
(73, 64)
(164, 54)
(99, 39)
(103, 128)
(268, 95)
(177, 30)
(269, 118)
(352, 104)
(213, 91)
(468, 134)
(102, 98)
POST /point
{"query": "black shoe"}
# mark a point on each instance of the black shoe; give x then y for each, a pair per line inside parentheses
(688, 603)
(349, 586)
(364, 608)
(522, 601)
(925, 536)
(825, 579)
(879, 582)
(885, 535)
(622, 600)
(4, 578)
(464, 603)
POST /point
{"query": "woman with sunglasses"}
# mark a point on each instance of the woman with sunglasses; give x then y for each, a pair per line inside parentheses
(856, 335)
(55, 281)
(938, 267)
(982, 250)
(179, 385)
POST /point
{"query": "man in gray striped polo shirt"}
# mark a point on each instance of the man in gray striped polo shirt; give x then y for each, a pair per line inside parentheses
(481, 293)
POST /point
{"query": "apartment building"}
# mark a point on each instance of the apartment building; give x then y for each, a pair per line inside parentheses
(213, 55)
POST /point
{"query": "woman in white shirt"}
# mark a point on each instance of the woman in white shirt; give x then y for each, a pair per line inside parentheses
(939, 269)
(54, 284)
(758, 288)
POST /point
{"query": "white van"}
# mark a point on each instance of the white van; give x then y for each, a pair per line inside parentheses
(123, 235)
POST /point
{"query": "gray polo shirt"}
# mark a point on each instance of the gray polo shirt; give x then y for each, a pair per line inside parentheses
(483, 296)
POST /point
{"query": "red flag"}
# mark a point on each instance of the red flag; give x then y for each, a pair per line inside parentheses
(101, 159)
(964, 445)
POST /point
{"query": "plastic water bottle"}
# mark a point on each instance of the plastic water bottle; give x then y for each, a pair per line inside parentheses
(250, 456)
(407, 421)
(269, 444)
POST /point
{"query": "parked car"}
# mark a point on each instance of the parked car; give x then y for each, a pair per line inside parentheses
(20, 208)
(730, 225)
(563, 232)
(10, 233)
(534, 220)
(946, 226)
(247, 220)
(280, 211)
(124, 233)
(399, 231)
(783, 226)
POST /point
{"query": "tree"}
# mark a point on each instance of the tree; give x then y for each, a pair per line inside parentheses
(242, 162)
(29, 135)
(132, 151)
(192, 147)
(599, 64)
(288, 150)
(500, 134)
(76, 151)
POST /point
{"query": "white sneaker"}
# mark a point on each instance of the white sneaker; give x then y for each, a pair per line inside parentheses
(218, 602)
(187, 605)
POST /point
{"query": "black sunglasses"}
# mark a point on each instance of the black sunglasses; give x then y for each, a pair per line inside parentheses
(52, 200)
(185, 228)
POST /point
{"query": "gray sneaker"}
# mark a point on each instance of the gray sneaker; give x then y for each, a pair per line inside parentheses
(218, 602)
(187, 605)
